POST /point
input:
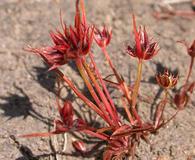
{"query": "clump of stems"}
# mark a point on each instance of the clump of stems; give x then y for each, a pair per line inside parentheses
(122, 137)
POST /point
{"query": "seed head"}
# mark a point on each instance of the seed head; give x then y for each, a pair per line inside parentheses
(166, 80)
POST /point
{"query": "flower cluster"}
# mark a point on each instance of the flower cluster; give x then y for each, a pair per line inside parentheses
(70, 44)
(144, 48)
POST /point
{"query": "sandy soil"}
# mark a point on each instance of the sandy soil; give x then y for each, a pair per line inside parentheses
(27, 96)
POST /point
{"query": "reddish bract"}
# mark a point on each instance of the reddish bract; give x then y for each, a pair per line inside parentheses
(143, 49)
(67, 121)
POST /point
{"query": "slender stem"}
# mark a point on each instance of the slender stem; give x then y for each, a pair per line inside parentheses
(166, 94)
(136, 91)
(108, 58)
(136, 116)
(80, 95)
(190, 70)
(132, 131)
(101, 130)
(95, 134)
(111, 64)
(160, 109)
(128, 112)
(123, 85)
(137, 84)
(173, 116)
(99, 90)
(47, 134)
(105, 88)
(126, 91)
(90, 88)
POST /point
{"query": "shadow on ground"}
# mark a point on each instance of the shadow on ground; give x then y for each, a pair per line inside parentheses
(19, 105)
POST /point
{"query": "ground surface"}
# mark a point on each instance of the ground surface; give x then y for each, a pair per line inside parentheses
(27, 99)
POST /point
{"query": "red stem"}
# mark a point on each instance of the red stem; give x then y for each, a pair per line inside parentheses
(127, 112)
(80, 95)
(91, 90)
(160, 110)
(190, 70)
(163, 124)
(47, 134)
(123, 85)
(98, 135)
(114, 112)
(99, 90)
(136, 91)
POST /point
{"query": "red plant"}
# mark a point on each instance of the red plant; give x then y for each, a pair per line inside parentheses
(122, 138)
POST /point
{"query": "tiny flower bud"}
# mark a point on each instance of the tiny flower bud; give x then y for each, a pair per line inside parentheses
(103, 37)
(181, 100)
(166, 80)
(66, 113)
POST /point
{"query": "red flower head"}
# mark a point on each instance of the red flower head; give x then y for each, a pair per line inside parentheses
(143, 49)
(72, 43)
(103, 37)
(166, 80)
